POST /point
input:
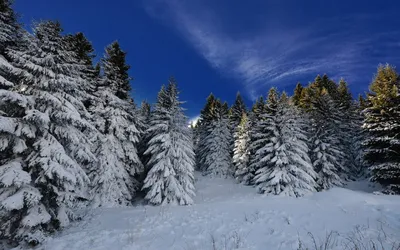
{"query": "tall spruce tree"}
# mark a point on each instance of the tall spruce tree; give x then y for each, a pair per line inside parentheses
(326, 153)
(349, 133)
(286, 167)
(217, 143)
(236, 111)
(19, 199)
(241, 151)
(330, 86)
(10, 37)
(116, 172)
(171, 166)
(145, 114)
(262, 132)
(204, 125)
(116, 71)
(256, 135)
(344, 96)
(48, 73)
(382, 126)
(297, 94)
(9, 26)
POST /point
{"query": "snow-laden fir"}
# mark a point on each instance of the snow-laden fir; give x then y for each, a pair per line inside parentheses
(241, 152)
(287, 168)
(171, 162)
(115, 174)
(217, 144)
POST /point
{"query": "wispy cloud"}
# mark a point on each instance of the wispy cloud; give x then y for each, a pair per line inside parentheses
(274, 56)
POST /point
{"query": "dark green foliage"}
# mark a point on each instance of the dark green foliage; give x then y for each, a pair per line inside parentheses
(344, 96)
(382, 126)
(327, 155)
(297, 94)
(82, 47)
(236, 111)
(10, 28)
(116, 70)
(272, 101)
(330, 86)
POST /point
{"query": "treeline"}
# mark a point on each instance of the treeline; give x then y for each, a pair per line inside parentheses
(284, 145)
(318, 138)
(71, 135)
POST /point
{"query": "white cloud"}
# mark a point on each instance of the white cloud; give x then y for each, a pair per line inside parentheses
(269, 56)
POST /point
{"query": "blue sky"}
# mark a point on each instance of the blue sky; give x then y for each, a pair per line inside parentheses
(225, 46)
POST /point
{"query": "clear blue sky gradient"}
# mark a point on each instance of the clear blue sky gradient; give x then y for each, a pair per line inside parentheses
(225, 46)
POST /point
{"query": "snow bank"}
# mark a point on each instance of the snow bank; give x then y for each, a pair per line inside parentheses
(231, 216)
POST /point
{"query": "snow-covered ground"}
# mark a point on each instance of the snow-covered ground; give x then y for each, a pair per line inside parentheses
(227, 215)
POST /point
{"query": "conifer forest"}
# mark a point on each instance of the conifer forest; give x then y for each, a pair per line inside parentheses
(72, 136)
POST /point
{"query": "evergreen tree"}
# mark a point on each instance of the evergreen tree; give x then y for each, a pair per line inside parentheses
(255, 118)
(19, 199)
(362, 102)
(286, 168)
(306, 98)
(261, 131)
(204, 126)
(357, 135)
(116, 71)
(349, 133)
(171, 166)
(9, 27)
(330, 86)
(217, 151)
(236, 111)
(344, 95)
(59, 150)
(381, 124)
(297, 94)
(145, 114)
(82, 47)
(241, 152)
(115, 174)
(10, 37)
(327, 156)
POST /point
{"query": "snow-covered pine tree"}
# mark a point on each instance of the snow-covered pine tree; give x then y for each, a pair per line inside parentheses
(236, 111)
(21, 212)
(241, 151)
(8, 25)
(382, 126)
(83, 52)
(297, 94)
(218, 160)
(262, 132)
(255, 117)
(203, 126)
(50, 76)
(114, 176)
(326, 153)
(357, 133)
(145, 114)
(10, 36)
(330, 86)
(171, 166)
(287, 169)
(19, 199)
(350, 133)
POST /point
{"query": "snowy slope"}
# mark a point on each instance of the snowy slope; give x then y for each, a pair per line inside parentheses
(232, 216)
